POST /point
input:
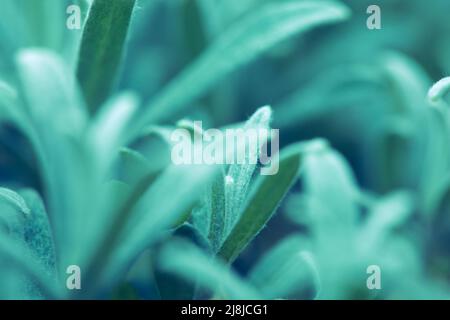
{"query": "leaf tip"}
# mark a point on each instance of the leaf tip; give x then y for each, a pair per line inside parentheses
(262, 116)
(439, 90)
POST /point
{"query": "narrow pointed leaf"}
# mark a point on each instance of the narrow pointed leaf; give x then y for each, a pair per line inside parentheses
(102, 48)
(267, 194)
(240, 174)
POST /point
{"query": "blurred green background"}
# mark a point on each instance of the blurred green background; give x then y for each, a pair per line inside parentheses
(365, 91)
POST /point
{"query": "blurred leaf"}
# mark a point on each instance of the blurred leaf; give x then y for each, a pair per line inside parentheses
(17, 256)
(37, 231)
(174, 288)
(59, 120)
(133, 166)
(187, 261)
(388, 213)
(396, 142)
(330, 182)
(45, 21)
(409, 82)
(436, 157)
(340, 87)
(61, 106)
(109, 125)
(286, 270)
(143, 219)
(28, 225)
(242, 43)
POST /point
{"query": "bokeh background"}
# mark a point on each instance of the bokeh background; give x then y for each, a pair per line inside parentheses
(365, 91)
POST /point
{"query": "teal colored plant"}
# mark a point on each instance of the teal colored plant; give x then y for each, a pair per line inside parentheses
(85, 151)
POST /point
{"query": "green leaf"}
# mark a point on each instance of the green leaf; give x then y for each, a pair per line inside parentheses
(142, 220)
(192, 24)
(13, 254)
(37, 231)
(329, 181)
(13, 112)
(242, 43)
(386, 214)
(28, 225)
(408, 81)
(436, 156)
(421, 129)
(13, 213)
(188, 262)
(31, 23)
(340, 87)
(108, 129)
(44, 21)
(237, 180)
(225, 198)
(268, 192)
(215, 211)
(59, 120)
(394, 145)
(286, 270)
(102, 48)
(133, 166)
(61, 107)
(8, 102)
(171, 287)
